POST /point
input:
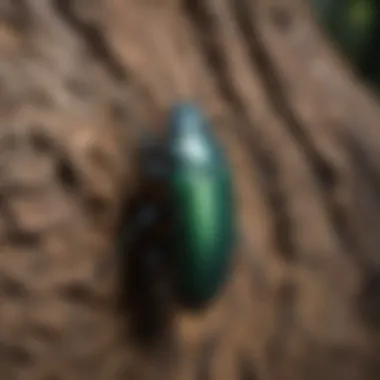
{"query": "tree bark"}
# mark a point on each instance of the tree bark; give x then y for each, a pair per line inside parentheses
(78, 80)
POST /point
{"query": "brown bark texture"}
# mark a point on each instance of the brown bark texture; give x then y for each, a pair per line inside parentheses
(78, 80)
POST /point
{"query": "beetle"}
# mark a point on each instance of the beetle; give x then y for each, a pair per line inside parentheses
(186, 179)
(201, 195)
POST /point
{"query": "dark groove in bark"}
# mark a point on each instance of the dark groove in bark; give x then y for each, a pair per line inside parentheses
(286, 301)
(93, 38)
(205, 358)
(366, 197)
(205, 30)
(320, 168)
(246, 368)
(364, 165)
(271, 84)
(369, 300)
(261, 159)
(99, 47)
(17, 13)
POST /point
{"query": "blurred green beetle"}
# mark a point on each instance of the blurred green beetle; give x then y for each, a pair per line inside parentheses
(201, 194)
(186, 206)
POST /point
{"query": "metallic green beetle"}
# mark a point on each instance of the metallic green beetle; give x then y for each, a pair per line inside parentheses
(201, 194)
(183, 211)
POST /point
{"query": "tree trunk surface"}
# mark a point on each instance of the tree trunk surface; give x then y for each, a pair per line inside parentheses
(78, 80)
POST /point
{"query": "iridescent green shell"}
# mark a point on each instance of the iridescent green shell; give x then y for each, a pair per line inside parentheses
(201, 192)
